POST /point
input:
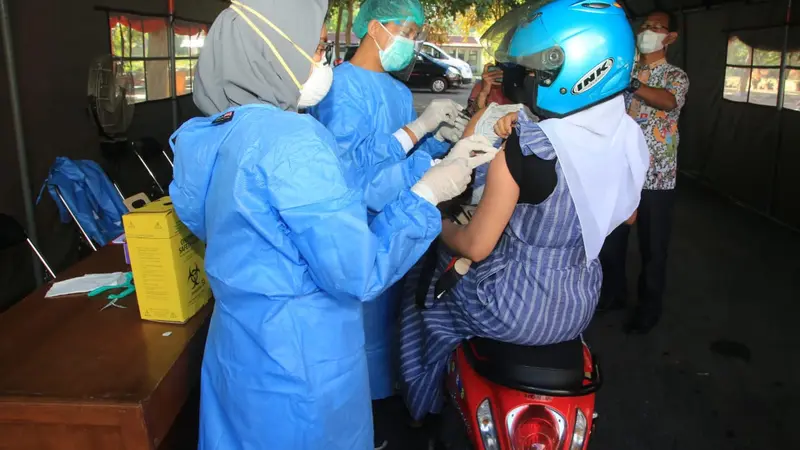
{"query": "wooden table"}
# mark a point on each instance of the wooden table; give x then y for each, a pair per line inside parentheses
(75, 377)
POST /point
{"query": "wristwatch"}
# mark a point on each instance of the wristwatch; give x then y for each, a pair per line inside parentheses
(635, 85)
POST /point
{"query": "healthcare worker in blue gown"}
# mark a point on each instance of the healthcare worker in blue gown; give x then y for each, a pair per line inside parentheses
(371, 115)
(290, 254)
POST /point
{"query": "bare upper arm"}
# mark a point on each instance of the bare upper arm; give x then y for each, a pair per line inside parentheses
(494, 211)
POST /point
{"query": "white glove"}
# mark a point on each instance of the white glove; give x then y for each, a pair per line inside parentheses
(438, 112)
(476, 150)
(452, 133)
(444, 181)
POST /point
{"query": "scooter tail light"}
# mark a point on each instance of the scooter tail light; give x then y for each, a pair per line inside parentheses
(487, 427)
(536, 427)
(579, 435)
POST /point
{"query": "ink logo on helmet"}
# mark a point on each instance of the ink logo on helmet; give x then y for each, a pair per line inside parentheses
(593, 76)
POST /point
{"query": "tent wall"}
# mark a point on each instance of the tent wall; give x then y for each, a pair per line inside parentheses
(746, 151)
(55, 42)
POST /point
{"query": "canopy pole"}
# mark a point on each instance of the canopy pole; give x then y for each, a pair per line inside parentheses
(19, 134)
(781, 92)
(784, 56)
(174, 69)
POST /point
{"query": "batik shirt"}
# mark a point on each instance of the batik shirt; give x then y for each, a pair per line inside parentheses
(660, 127)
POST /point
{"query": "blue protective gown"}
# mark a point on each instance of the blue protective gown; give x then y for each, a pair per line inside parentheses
(363, 110)
(90, 195)
(290, 258)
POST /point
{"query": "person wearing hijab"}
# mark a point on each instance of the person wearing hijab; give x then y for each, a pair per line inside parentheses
(290, 255)
(558, 188)
(371, 115)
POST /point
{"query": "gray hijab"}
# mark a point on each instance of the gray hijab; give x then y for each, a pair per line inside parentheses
(237, 67)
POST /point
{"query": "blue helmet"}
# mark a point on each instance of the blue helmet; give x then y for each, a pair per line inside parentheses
(563, 56)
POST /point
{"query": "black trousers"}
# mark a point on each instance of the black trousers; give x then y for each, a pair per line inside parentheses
(654, 226)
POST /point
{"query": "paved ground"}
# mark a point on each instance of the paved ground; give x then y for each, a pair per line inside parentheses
(720, 370)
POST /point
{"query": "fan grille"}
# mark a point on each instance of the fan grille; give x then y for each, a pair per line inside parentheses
(111, 95)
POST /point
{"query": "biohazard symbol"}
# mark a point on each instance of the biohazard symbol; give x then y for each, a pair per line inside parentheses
(194, 276)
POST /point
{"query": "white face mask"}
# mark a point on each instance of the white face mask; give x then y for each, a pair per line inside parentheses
(317, 86)
(649, 41)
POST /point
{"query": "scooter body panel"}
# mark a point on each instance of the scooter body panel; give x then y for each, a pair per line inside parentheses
(467, 390)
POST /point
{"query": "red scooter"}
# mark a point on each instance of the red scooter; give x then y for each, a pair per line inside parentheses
(512, 397)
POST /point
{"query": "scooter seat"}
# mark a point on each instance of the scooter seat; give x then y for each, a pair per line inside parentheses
(556, 369)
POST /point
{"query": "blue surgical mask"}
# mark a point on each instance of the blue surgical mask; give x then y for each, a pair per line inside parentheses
(398, 55)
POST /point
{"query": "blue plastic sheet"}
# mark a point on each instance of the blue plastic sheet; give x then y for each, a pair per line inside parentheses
(363, 110)
(90, 195)
(290, 257)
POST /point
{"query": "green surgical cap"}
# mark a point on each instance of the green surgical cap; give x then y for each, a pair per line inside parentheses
(385, 11)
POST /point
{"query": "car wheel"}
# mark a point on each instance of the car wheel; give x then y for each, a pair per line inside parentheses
(438, 85)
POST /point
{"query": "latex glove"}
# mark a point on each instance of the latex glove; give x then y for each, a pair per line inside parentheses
(438, 112)
(476, 150)
(444, 181)
(452, 133)
(506, 124)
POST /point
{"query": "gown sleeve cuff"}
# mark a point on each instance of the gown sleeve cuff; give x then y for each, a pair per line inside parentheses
(405, 140)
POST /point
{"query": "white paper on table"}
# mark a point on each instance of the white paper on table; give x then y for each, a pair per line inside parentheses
(86, 283)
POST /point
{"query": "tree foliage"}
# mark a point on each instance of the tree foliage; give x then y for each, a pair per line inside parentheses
(484, 10)
(444, 17)
(463, 17)
(741, 54)
(341, 14)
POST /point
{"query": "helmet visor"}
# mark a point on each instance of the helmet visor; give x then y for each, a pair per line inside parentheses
(521, 38)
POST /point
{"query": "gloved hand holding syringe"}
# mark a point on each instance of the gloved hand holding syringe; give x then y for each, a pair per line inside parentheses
(450, 177)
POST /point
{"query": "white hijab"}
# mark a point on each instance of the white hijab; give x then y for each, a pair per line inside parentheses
(605, 159)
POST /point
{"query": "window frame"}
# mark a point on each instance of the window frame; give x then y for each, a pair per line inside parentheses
(785, 78)
(473, 54)
(172, 70)
(203, 27)
(783, 67)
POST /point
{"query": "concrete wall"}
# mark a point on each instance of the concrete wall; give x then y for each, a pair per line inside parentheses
(55, 41)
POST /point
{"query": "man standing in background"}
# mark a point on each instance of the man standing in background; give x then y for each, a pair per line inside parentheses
(656, 96)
